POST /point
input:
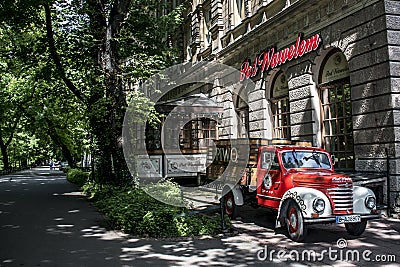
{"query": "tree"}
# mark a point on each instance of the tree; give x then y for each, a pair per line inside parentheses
(16, 76)
(125, 40)
(34, 104)
(86, 52)
(9, 118)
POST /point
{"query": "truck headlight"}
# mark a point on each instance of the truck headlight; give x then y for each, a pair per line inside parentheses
(370, 202)
(319, 205)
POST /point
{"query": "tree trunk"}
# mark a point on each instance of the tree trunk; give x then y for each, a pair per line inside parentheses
(110, 162)
(5, 145)
(64, 149)
(4, 154)
(106, 103)
(58, 141)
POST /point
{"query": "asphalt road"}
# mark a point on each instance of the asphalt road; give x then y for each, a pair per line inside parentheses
(45, 221)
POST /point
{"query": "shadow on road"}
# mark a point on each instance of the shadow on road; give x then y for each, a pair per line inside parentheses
(45, 221)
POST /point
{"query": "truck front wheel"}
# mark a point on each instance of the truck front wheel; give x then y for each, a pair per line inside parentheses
(230, 207)
(356, 229)
(297, 230)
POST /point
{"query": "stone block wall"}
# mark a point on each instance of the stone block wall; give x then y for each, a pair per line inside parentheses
(258, 112)
(392, 11)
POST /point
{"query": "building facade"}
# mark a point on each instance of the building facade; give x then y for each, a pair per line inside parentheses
(327, 72)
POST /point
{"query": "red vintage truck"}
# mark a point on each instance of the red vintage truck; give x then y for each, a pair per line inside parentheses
(297, 181)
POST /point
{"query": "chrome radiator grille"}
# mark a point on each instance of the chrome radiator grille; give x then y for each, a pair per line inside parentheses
(342, 199)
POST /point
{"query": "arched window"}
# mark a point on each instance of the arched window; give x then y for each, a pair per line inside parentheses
(280, 108)
(335, 97)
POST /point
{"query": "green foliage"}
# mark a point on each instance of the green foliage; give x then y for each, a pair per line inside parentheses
(77, 177)
(167, 191)
(66, 169)
(39, 118)
(135, 212)
(66, 79)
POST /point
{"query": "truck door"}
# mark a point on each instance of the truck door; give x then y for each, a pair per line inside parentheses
(269, 177)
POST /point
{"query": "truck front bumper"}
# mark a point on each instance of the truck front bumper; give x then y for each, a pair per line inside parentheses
(333, 218)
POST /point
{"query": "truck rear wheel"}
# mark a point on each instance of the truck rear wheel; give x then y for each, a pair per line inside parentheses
(230, 207)
(296, 228)
(356, 229)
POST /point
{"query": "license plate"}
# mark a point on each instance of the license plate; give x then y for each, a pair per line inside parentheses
(348, 219)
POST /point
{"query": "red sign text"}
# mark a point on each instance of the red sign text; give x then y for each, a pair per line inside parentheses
(270, 59)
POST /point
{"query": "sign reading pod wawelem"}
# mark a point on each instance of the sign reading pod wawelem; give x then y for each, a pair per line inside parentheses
(269, 59)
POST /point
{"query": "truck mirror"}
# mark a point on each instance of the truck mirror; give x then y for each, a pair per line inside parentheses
(333, 159)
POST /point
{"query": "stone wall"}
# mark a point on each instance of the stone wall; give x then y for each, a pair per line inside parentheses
(392, 10)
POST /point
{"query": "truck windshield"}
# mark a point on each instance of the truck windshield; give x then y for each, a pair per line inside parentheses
(305, 159)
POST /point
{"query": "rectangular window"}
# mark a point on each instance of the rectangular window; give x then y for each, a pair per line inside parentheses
(153, 137)
(243, 124)
(198, 133)
(207, 26)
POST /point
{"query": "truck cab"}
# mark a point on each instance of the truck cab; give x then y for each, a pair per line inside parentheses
(284, 167)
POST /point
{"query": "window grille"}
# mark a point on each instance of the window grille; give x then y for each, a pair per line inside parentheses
(198, 133)
(337, 126)
(281, 117)
(280, 107)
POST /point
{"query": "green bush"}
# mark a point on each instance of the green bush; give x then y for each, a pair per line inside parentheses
(77, 177)
(135, 212)
(66, 169)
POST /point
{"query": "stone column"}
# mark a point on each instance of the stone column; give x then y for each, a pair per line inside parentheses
(227, 129)
(259, 112)
(302, 104)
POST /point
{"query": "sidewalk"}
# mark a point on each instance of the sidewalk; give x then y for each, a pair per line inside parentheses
(394, 223)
